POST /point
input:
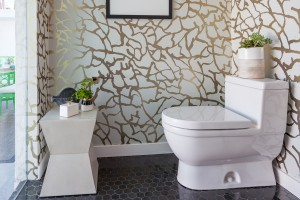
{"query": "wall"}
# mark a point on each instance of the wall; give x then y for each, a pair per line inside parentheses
(280, 21)
(21, 93)
(155, 64)
(40, 81)
(158, 63)
(45, 74)
(7, 36)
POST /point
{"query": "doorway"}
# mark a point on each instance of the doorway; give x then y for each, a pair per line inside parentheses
(12, 118)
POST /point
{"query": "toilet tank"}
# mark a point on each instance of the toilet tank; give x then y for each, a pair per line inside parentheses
(264, 101)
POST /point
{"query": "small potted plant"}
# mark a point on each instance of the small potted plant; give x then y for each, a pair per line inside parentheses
(85, 94)
(10, 62)
(251, 61)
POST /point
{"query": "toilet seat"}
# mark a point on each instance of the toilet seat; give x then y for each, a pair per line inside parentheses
(204, 118)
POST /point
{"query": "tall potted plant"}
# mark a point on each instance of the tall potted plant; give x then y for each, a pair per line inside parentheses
(85, 94)
(251, 61)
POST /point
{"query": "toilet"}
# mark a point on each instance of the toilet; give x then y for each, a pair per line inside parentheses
(231, 147)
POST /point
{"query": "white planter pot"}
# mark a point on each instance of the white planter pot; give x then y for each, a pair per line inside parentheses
(68, 109)
(85, 108)
(251, 63)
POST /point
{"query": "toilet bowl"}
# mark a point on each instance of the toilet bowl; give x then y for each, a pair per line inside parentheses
(230, 147)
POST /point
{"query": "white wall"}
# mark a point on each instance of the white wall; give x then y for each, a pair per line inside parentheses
(7, 33)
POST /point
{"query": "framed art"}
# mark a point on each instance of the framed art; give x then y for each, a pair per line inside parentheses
(139, 9)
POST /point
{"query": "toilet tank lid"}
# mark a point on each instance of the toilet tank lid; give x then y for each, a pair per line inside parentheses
(263, 84)
(204, 118)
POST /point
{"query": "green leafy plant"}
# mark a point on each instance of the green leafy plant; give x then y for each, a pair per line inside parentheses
(255, 40)
(10, 60)
(84, 92)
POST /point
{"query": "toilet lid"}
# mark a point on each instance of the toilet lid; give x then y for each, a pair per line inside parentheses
(204, 117)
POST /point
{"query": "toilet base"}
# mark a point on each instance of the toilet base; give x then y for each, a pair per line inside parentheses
(233, 175)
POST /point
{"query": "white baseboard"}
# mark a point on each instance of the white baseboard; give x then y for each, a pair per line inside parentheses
(132, 149)
(287, 182)
(43, 165)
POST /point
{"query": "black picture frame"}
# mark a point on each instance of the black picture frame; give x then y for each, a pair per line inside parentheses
(113, 16)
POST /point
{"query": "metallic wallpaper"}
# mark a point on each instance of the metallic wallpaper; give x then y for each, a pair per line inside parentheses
(279, 20)
(145, 65)
(45, 75)
(32, 105)
(40, 80)
(156, 64)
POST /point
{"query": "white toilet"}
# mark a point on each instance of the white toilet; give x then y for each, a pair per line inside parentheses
(230, 147)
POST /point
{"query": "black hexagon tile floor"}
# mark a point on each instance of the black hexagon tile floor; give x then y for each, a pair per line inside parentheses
(153, 177)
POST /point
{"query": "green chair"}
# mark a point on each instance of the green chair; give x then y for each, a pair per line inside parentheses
(7, 78)
(7, 89)
(5, 97)
(12, 78)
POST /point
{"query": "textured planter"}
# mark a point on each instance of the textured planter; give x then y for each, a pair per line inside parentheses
(251, 63)
(85, 108)
(87, 105)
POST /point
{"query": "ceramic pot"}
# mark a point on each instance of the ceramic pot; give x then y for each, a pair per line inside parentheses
(251, 63)
(85, 108)
(87, 105)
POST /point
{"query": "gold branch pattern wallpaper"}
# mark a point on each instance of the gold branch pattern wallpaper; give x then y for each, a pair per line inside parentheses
(45, 80)
(279, 20)
(145, 65)
(40, 81)
(32, 105)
